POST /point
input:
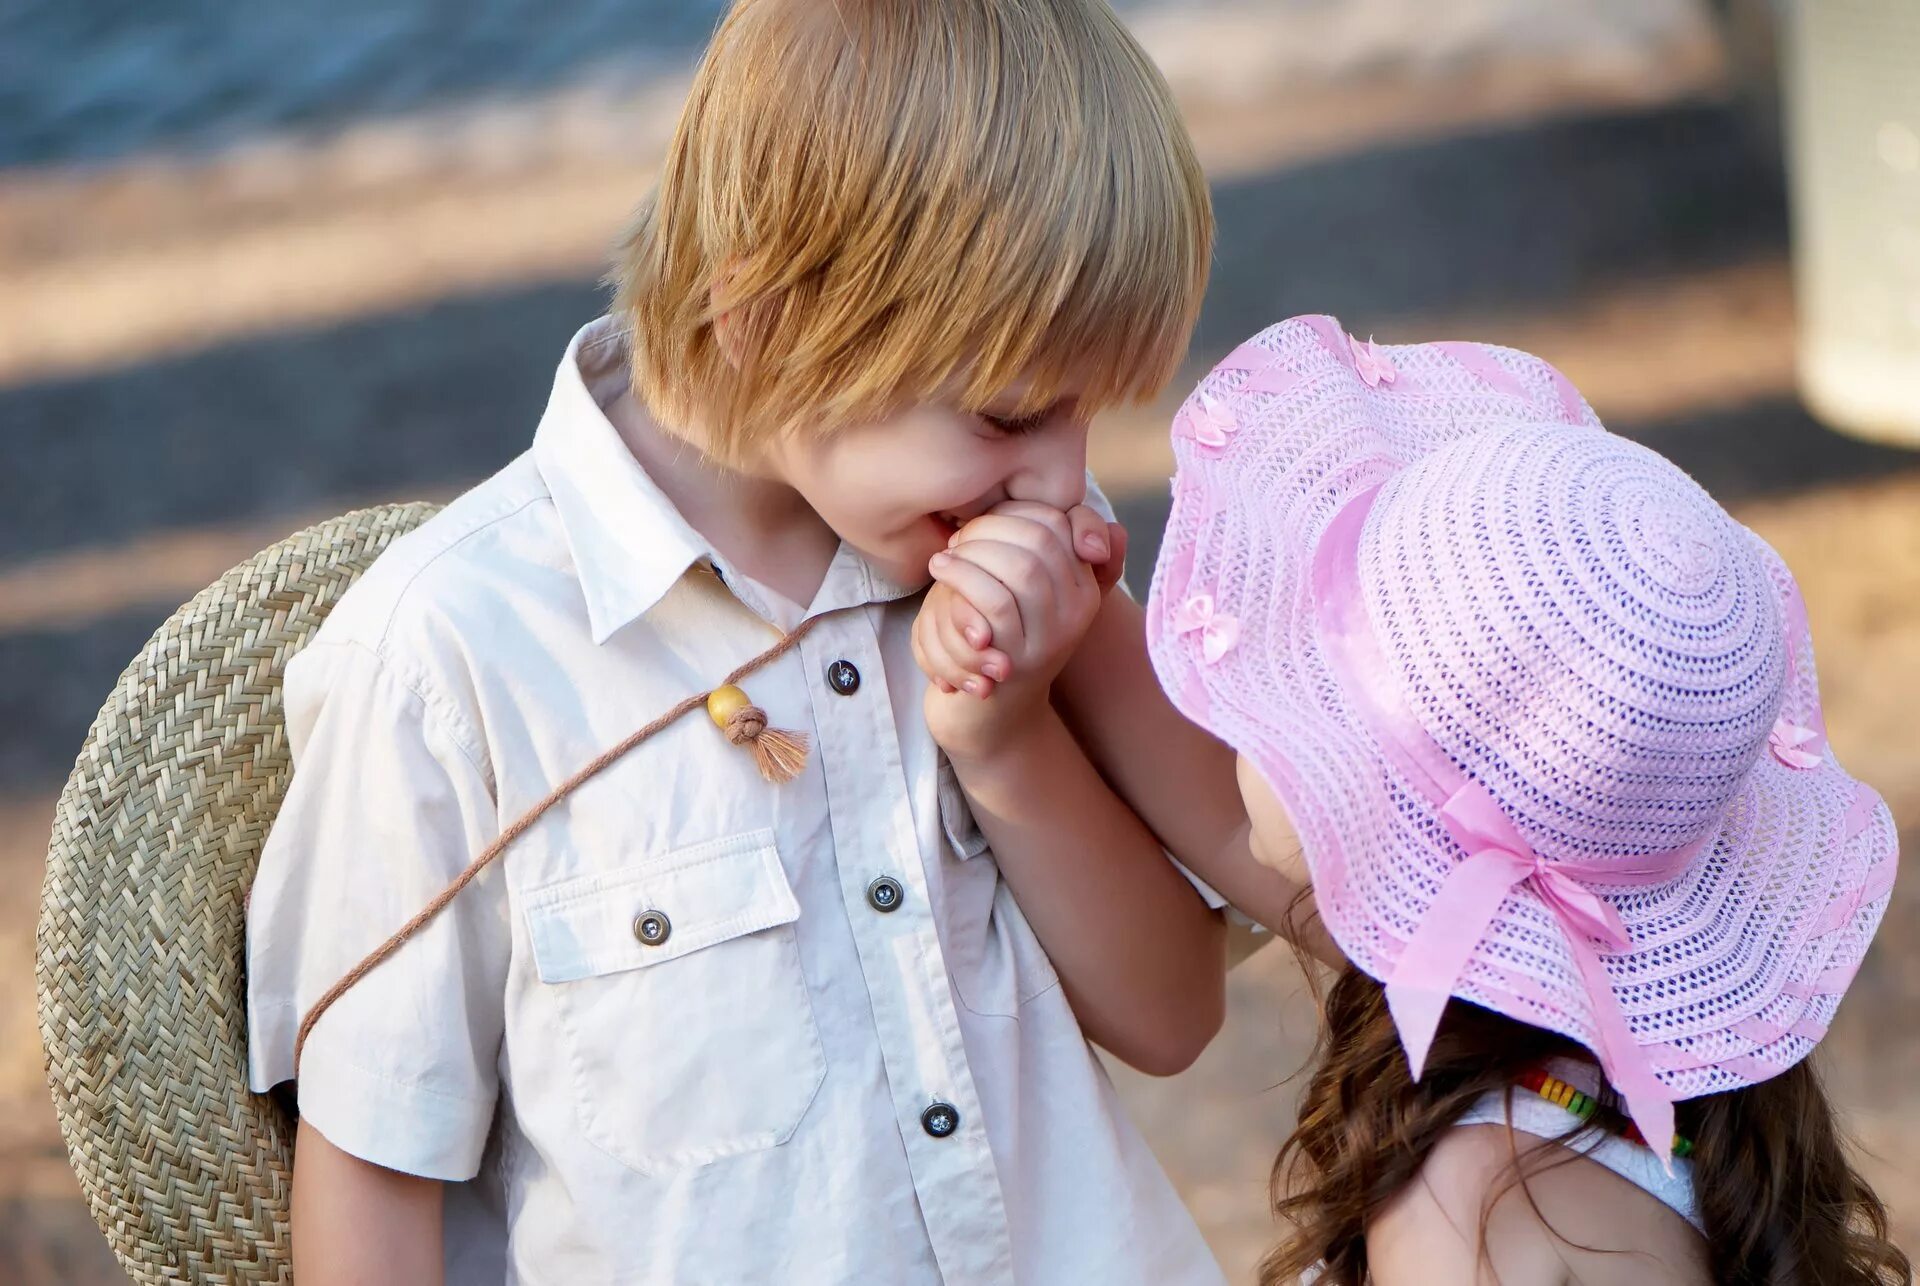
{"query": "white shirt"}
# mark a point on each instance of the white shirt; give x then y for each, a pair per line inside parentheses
(743, 1101)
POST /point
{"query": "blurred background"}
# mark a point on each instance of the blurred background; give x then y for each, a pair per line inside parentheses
(260, 264)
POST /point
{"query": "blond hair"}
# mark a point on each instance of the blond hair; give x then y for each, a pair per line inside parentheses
(890, 198)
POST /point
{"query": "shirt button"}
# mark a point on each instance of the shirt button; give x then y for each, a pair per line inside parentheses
(652, 928)
(940, 1120)
(843, 678)
(884, 894)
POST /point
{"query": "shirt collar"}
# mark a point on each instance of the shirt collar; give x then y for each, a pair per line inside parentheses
(629, 544)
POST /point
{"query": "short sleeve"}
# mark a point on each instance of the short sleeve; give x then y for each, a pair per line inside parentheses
(386, 806)
(1207, 892)
(1097, 498)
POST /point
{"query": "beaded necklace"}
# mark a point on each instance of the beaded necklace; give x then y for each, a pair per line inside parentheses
(1590, 1111)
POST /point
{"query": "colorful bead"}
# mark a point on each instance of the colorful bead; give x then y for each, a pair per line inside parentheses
(1586, 1107)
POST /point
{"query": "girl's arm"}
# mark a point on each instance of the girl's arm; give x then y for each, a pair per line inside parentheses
(359, 1224)
(1141, 957)
(1178, 779)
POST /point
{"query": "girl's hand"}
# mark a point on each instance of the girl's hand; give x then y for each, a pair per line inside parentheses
(961, 654)
(1019, 571)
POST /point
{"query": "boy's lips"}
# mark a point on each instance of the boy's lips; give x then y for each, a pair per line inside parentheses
(952, 520)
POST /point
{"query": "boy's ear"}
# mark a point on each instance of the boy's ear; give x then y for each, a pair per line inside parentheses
(727, 328)
(735, 326)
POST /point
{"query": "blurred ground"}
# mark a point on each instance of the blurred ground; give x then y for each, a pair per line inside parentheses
(351, 284)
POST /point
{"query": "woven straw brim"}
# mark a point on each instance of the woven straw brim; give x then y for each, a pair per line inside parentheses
(141, 943)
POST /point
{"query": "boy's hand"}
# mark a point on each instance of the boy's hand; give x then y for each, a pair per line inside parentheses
(1015, 595)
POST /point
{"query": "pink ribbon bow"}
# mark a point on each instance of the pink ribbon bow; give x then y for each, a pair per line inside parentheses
(1371, 364)
(1499, 860)
(1795, 744)
(1218, 631)
(1209, 421)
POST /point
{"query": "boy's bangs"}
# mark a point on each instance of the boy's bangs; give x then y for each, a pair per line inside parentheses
(969, 199)
(1110, 323)
(1069, 252)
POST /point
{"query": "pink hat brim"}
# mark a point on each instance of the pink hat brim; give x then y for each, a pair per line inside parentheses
(1769, 922)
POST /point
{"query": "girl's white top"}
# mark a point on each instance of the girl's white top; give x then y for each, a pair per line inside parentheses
(1544, 1119)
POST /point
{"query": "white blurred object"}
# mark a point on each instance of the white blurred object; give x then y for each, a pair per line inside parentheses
(1852, 70)
(1228, 49)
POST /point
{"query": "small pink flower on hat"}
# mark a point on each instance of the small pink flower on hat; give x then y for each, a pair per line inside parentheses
(1371, 363)
(1795, 744)
(1218, 632)
(1209, 421)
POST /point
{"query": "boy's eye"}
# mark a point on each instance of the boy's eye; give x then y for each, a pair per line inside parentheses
(1017, 425)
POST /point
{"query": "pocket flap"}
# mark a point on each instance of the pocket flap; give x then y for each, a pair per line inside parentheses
(708, 893)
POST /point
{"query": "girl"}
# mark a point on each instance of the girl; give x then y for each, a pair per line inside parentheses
(1539, 722)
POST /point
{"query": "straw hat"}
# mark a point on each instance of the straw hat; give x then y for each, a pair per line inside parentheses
(140, 945)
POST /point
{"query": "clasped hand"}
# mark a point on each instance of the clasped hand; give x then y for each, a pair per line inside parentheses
(1015, 592)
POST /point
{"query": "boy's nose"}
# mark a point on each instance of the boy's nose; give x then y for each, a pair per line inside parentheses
(1053, 471)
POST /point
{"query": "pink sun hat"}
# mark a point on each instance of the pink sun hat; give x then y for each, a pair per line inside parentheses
(1543, 714)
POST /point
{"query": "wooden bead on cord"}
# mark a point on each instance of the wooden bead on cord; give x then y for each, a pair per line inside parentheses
(780, 755)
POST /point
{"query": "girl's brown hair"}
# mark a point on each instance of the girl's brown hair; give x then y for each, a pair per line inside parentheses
(1780, 1201)
(888, 199)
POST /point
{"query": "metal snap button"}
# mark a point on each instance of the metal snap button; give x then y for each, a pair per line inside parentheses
(652, 928)
(843, 677)
(885, 894)
(940, 1120)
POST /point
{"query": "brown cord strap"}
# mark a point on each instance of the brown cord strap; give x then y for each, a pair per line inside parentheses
(532, 815)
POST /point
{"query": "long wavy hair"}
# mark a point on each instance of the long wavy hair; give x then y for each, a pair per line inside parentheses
(1780, 1201)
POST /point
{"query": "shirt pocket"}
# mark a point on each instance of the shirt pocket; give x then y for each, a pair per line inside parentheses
(681, 1003)
(997, 961)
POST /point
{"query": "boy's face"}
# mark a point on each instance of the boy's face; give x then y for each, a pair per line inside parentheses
(898, 488)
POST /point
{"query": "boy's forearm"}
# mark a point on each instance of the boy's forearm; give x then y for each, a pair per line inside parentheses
(1141, 956)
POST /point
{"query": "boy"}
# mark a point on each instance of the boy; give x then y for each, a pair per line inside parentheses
(695, 1027)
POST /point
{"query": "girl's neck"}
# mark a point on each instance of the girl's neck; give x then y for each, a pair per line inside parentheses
(759, 524)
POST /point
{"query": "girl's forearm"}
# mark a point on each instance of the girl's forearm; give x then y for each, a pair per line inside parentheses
(1141, 956)
(1269, 898)
(1177, 778)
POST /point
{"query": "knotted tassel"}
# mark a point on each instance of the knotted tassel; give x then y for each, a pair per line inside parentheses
(780, 755)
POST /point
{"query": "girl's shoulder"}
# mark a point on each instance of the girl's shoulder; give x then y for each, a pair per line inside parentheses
(1571, 1221)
